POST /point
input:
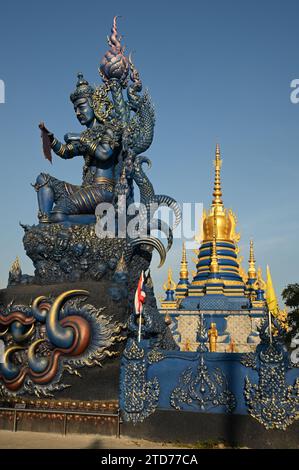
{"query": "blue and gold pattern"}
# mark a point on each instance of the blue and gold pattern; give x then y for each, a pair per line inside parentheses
(272, 401)
(139, 396)
(52, 336)
(204, 389)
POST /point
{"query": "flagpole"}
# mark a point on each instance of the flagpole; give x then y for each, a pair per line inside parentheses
(139, 300)
(139, 328)
(270, 326)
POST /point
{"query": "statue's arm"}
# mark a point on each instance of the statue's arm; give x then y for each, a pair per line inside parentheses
(66, 151)
(70, 149)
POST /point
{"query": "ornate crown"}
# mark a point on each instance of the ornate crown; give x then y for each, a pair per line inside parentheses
(83, 89)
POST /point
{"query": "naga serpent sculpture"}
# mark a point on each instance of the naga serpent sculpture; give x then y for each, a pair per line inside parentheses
(137, 136)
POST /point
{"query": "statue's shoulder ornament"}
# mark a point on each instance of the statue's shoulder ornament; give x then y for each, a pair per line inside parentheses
(107, 133)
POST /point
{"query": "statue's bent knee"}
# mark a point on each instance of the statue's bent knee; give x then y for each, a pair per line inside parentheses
(41, 181)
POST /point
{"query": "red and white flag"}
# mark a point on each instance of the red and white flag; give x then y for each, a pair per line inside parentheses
(140, 295)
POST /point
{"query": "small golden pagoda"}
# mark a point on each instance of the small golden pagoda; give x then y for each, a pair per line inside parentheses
(169, 288)
(183, 284)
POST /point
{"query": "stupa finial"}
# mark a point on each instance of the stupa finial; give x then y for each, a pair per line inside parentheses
(217, 201)
(251, 269)
(184, 274)
(169, 285)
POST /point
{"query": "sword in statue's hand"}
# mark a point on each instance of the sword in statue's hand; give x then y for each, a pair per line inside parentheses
(47, 139)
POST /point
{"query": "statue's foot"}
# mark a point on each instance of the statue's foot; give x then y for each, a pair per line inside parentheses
(43, 218)
(66, 220)
(72, 219)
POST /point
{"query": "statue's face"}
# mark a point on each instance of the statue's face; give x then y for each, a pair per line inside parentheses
(84, 111)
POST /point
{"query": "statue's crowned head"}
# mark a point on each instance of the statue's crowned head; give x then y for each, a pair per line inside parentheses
(82, 98)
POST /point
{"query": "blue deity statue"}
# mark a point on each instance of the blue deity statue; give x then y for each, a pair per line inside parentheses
(116, 131)
(100, 145)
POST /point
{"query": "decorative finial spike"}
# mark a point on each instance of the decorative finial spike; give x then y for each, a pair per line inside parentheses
(217, 201)
(15, 273)
(169, 285)
(251, 269)
(184, 274)
(16, 266)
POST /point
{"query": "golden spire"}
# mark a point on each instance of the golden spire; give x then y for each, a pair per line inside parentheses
(251, 261)
(169, 284)
(217, 201)
(214, 266)
(184, 274)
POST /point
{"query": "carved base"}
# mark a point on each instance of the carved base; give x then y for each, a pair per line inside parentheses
(98, 382)
(71, 254)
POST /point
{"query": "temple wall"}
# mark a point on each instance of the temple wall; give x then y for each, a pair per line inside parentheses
(260, 385)
(241, 328)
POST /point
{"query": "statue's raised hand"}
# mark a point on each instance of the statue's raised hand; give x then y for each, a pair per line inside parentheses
(47, 139)
(46, 131)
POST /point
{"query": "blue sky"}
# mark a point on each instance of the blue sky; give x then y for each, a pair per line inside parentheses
(217, 70)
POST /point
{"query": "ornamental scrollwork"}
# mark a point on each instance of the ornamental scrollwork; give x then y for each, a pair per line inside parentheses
(155, 356)
(50, 337)
(271, 401)
(202, 389)
(139, 396)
